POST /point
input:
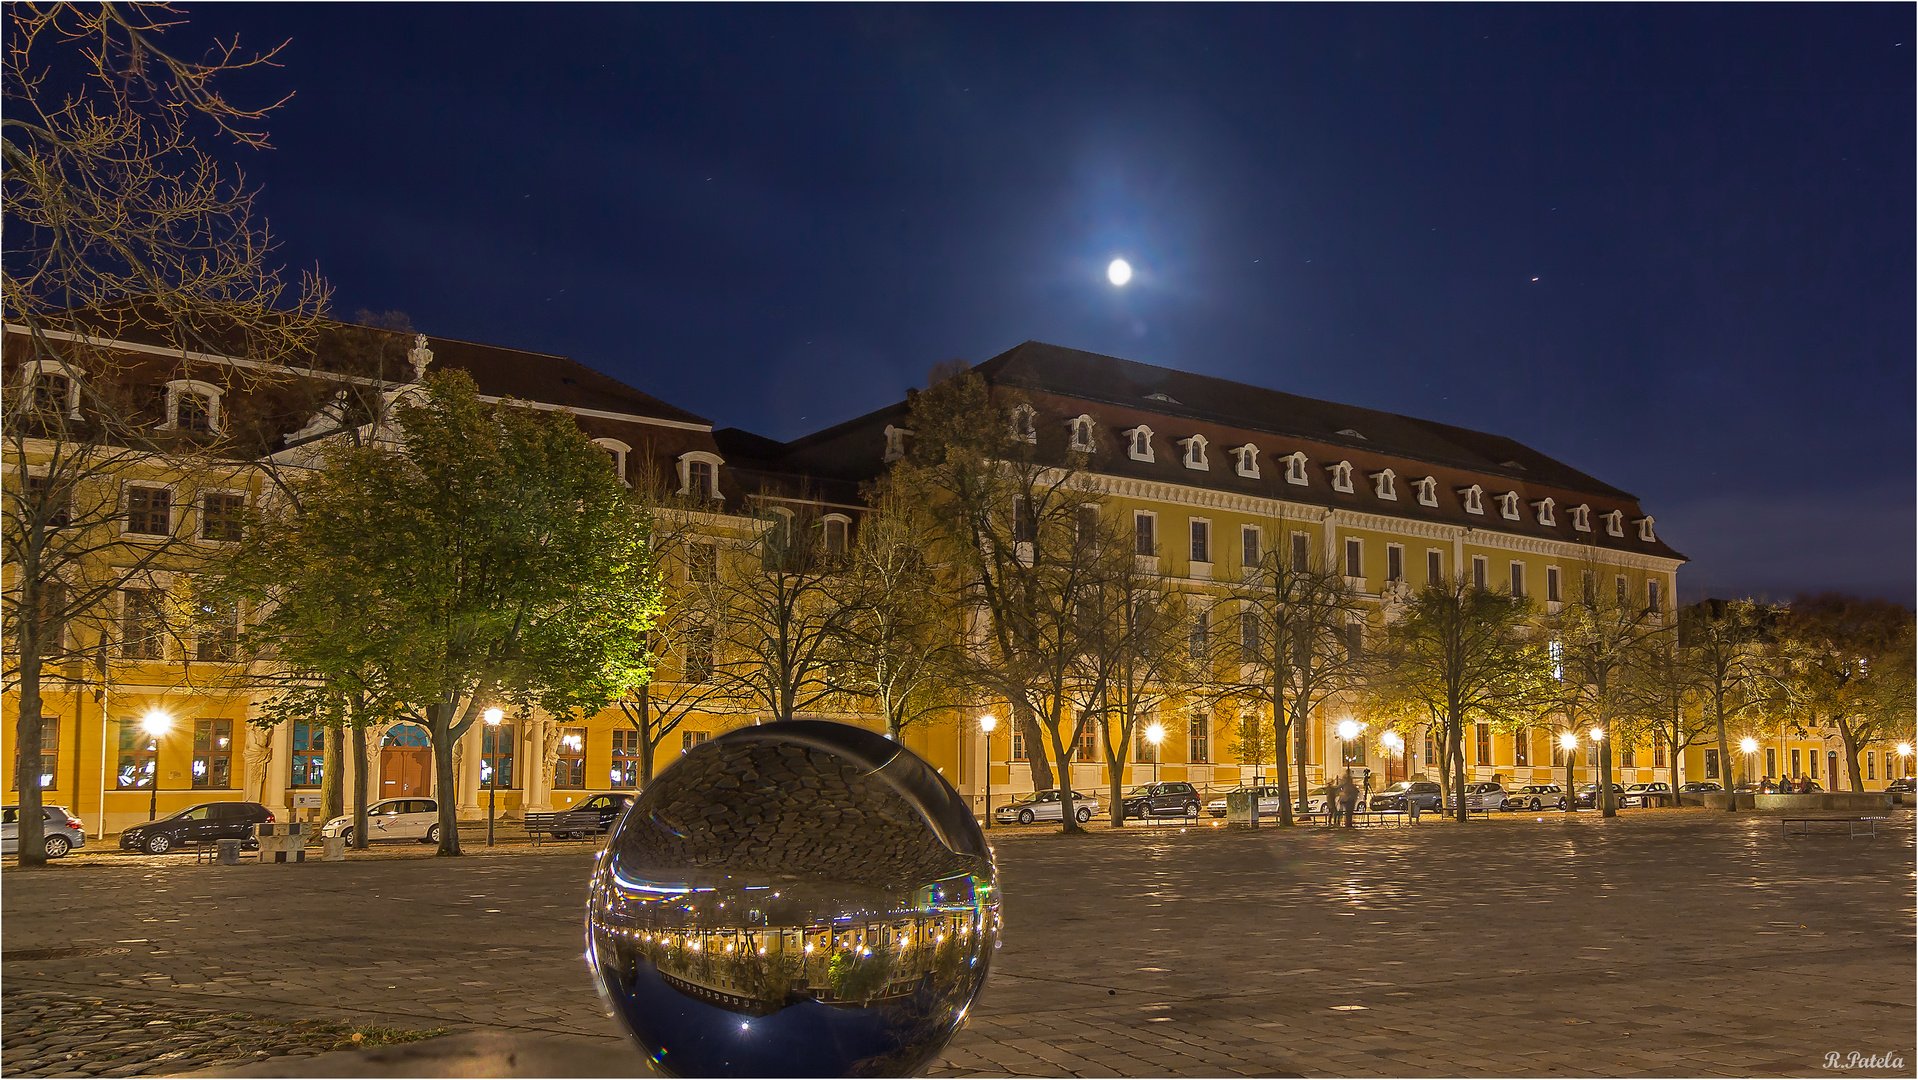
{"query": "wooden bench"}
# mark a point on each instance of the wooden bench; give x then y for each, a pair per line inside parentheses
(563, 825)
(1805, 825)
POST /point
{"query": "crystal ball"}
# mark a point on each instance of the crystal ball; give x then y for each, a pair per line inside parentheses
(793, 899)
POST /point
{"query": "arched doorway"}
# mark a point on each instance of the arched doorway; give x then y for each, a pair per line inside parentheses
(406, 762)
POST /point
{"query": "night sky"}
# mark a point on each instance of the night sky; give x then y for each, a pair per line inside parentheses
(1672, 246)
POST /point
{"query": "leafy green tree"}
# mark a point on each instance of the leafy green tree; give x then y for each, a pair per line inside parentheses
(1849, 670)
(1729, 648)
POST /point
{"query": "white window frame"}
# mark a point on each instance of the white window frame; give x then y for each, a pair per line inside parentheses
(1508, 506)
(1389, 549)
(1024, 424)
(1385, 485)
(1257, 531)
(31, 371)
(207, 390)
(1655, 596)
(1341, 477)
(1133, 436)
(1082, 428)
(1473, 499)
(1614, 522)
(1291, 549)
(620, 450)
(1554, 584)
(1546, 510)
(686, 473)
(1245, 460)
(199, 511)
(1582, 518)
(825, 532)
(148, 580)
(1429, 552)
(1427, 490)
(1481, 572)
(1156, 538)
(172, 508)
(1210, 541)
(1295, 473)
(1622, 589)
(1645, 532)
(1345, 558)
(1194, 456)
(1516, 576)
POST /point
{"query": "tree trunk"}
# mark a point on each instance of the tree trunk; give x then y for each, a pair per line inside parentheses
(646, 742)
(333, 772)
(359, 788)
(32, 844)
(1282, 764)
(1607, 806)
(1042, 779)
(439, 718)
(1724, 756)
(1067, 821)
(1457, 735)
(1849, 740)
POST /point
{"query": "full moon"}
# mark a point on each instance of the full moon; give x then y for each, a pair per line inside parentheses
(1119, 272)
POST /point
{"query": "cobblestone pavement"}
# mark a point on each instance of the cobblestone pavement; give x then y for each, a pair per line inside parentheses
(1662, 942)
(56, 1035)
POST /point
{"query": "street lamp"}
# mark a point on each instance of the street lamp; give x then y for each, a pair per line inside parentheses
(1568, 742)
(1155, 734)
(493, 718)
(1904, 751)
(1394, 744)
(155, 723)
(1750, 747)
(1348, 730)
(986, 724)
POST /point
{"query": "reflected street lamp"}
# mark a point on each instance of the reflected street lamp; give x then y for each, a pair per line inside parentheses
(1155, 734)
(155, 723)
(1568, 742)
(986, 724)
(493, 717)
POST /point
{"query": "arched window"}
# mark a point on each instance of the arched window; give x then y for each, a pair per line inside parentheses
(1139, 443)
(1645, 532)
(1082, 434)
(1023, 426)
(1385, 484)
(1508, 506)
(406, 735)
(49, 390)
(1544, 508)
(1614, 522)
(1341, 477)
(1473, 499)
(699, 475)
(1295, 468)
(838, 531)
(1246, 461)
(1582, 518)
(1427, 490)
(1195, 453)
(617, 451)
(192, 406)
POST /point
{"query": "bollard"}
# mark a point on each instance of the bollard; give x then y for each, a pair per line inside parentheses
(332, 848)
(283, 841)
(229, 852)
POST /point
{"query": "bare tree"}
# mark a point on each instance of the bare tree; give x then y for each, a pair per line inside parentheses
(1602, 637)
(783, 613)
(1667, 696)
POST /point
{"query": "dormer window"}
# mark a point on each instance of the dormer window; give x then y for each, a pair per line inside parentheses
(1082, 434)
(1543, 508)
(1139, 443)
(1195, 453)
(895, 442)
(1341, 476)
(1614, 522)
(1385, 485)
(1427, 490)
(1582, 518)
(1295, 468)
(1023, 426)
(1645, 532)
(1474, 499)
(617, 451)
(1245, 461)
(699, 475)
(1350, 433)
(192, 406)
(1508, 506)
(50, 390)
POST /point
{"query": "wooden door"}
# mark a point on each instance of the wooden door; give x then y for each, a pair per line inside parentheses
(406, 771)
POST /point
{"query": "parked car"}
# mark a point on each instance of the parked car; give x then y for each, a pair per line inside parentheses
(1045, 806)
(1536, 797)
(202, 824)
(1402, 795)
(392, 819)
(1481, 795)
(1903, 783)
(608, 805)
(1693, 787)
(1587, 796)
(62, 832)
(1173, 798)
(1270, 799)
(1658, 794)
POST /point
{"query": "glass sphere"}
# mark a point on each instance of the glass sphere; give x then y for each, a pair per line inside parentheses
(793, 899)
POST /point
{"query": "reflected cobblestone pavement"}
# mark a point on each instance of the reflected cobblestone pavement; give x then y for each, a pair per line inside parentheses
(1658, 943)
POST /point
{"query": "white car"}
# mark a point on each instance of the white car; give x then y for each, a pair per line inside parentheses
(1045, 806)
(1647, 795)
(393, 819)
(1485, 795)
(1270, 799)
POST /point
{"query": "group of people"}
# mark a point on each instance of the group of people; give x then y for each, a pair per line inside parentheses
(1343, 800)
(1785, 785)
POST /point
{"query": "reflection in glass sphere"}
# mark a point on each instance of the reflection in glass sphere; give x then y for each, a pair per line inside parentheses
(793, 899)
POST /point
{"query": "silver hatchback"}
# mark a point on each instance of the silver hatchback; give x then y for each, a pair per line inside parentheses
(63, 832)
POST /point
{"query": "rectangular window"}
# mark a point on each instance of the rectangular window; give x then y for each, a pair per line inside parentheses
(149, 511)
(1711, 764)
(1199, 748)
(1147, 751)
(1354, 640)
(1354, 558)
(1394, 563)
(136, 757)
(699, 654)
(1249, 635)
(1201, 541)
(308, 767)
(625, 759)
(1797, 763)
(191, 413)
(1522, 746)
(1018, 743)
(1089, 526)
(51, 393)
(1771, 761)
(1624, 594)
(50, 755)
(1814, 765)
(569, 768)
(1142, 539)
(1588, 587)
(1518, 579)
(1249, 553)
(213, 754)
(1434, 567)
(1352, 751)
(690, 739)
(1591, 756)
(496, 755)
(1479, 568)
(142, 629)
(1871, 767)
(702, 562)
(56, 507)
(1087, 748)
(1628, 755)
(222, 517)
(835, 537)
(1301, 556)
(1483, 736)
(1653, 600)
(1200, 624)
(1658, 750)
(53, 618)
(1431, 749)
(216, 631)
(699, 479)
(1551, 584)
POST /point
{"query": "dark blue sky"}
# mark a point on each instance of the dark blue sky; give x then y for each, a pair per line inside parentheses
(1670, 245)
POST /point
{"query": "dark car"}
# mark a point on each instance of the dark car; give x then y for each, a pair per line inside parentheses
(608, 806)
(202, 824)
(1587, 796)
(1693, 787)
(1903, 783)
(1170, 799)
(1405, 793)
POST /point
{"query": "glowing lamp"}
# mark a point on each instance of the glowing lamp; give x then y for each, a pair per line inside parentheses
(1749, 746)
(1568, 741)
(494, 716)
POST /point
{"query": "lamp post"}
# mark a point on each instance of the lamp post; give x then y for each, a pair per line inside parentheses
(1904, 751)
(155, 723)
(1750, 747)
(493, 718)
(1394, 744)
(986, 724)
(1568, 742)
(1155, 734)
